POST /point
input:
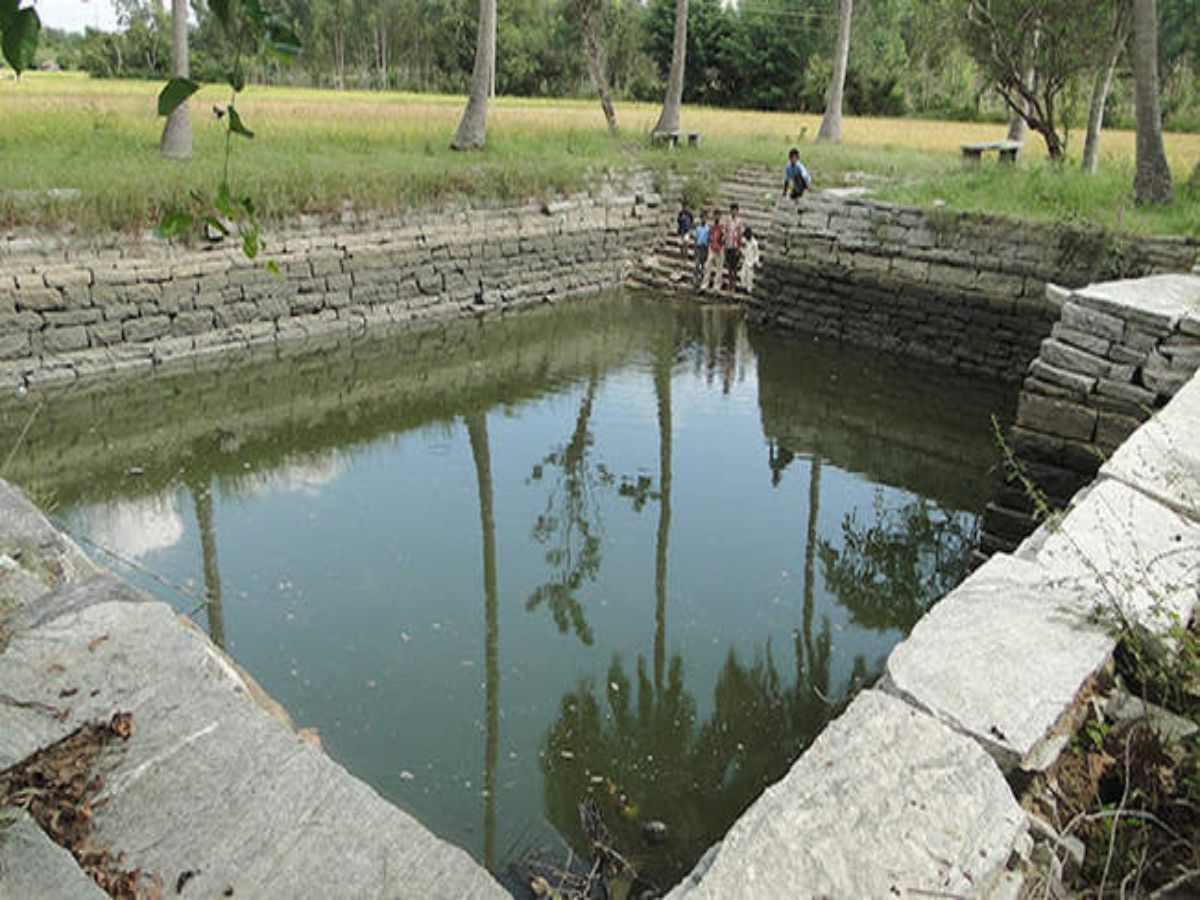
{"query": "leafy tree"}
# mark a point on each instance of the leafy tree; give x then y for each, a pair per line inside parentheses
(1056, 39)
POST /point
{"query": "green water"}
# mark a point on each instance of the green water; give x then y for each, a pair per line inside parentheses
(624, 547)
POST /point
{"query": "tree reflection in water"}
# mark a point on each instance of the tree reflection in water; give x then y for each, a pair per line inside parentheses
(888, 573)
(571, 528)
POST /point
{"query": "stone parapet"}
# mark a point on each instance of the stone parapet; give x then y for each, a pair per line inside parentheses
(961, 289)
(1119, 352)
(68, 312)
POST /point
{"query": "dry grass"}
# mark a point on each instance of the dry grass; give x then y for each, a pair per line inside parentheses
(320, 148)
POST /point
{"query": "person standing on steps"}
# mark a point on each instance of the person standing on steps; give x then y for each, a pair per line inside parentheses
(701, 237)
(796, 179)
(716, 255)
(733, 247)
(683, 224)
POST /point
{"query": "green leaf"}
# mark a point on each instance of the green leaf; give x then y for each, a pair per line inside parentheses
(224, 201)
(20, 38)
(174, 93)
(236, 78)
(8, 9)
(235, 123)
(281, 41)
(256, 14)
(175, 223)
(273, 268)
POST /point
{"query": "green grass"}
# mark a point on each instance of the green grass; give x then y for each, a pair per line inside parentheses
(1042, 191)
(318, 150)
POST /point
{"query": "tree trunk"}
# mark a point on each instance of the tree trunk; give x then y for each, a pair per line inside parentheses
(1100, 88)
(176, 142)
(810, 555)
(595, 60)
(1016, 122)
(831, 123)
(481, 453)
(1152, 183)
(472, 129)
(668, 120)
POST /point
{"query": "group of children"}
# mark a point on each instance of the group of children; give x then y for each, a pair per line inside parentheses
(725, 250)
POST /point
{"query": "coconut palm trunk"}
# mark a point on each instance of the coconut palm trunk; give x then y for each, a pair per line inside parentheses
(176, 142)
(1152, 183)
(810, 555)
(831, 123)
(472, 129)
(203, 504)
(668, 120)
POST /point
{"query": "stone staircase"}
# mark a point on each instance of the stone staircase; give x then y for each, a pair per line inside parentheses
(669, 265)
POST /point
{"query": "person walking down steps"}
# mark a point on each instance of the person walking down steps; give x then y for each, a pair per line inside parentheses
(796, 179)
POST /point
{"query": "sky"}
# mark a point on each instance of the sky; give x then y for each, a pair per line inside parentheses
(75, 15)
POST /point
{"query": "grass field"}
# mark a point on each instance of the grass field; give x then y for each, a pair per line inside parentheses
(317, 150)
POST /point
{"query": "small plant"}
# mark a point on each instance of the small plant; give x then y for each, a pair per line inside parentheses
(247, 28)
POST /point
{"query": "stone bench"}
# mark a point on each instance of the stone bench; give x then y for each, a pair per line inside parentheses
(671, 138)
(972, 154)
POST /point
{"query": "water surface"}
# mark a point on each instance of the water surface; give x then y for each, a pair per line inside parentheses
(625, 547)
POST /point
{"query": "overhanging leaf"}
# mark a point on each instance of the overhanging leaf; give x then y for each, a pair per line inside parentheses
(20, 39)
(8, 9)
(281, 41)
(174, 93)
(235, 123)
(236, 78)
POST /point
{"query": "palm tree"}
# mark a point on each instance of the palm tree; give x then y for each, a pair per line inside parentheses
(831, 123)
(481, 453)
(176, 140)
(1102, 84)
(1152, 183)
(668, 120)
(810, 553)
(472, 129)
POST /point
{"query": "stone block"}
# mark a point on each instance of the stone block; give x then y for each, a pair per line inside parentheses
(1155, 303)
(32, 865)
(146, 329)
(1064, 356)
(1125, 551)
(62, 318)
(1058, 417)
(1081, 339)
(886, 802)
(1078, 385)
(104, 334)
(14, 345)
(66, 276)
(1162, 459)
(1130, 393)
(39, 299)
(63, 340)
(1002, 657)
(192, 322)
(1112, 429)
(235, 314)
(1158, 375)
(21, 322)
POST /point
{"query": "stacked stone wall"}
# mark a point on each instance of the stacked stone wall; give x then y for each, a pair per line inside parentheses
(70, 312)
(955, 288)
(1118, 354)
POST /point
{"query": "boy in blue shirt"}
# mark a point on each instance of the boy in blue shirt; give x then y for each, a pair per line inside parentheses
(701, 236)
(795, 177)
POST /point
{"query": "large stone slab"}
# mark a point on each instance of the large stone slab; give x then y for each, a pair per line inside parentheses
(32, 865)
(1162, 459)
(37, 548)
(1158, 302)
(209, 781)
(1128, 554)
(1002, 657)
(886, 803)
